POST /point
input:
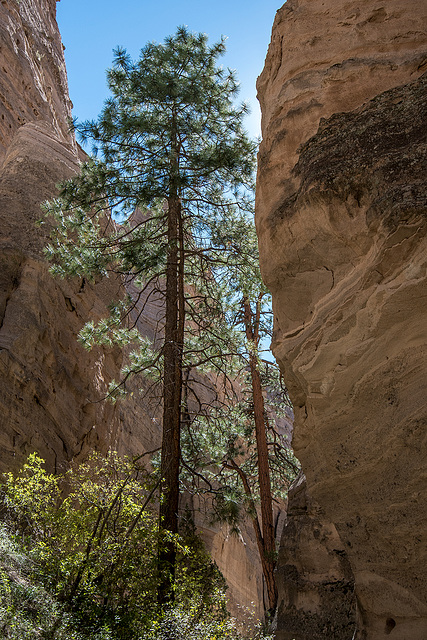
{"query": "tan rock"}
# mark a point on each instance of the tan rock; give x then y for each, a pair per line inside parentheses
(51, 387)
(341, 206)
(237, 557)
(33, 82)
(314, 578)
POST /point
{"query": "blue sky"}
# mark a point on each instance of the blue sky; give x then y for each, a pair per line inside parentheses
(91, 29)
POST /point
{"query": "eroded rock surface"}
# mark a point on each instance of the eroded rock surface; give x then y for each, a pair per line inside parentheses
(51, 387)
(33, 80)
(314, 577)
(341, 216)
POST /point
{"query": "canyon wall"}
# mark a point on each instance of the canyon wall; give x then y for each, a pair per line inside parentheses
(341, 218)
(314, 577)
(51, 387)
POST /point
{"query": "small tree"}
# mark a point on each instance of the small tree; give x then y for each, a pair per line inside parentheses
(236, 452)
(244, 444)
(264, 426)
(172, 143)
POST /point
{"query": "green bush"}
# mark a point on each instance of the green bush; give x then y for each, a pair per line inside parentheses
(27, 610)
(89, 540)
(178, 624)
(95, 548)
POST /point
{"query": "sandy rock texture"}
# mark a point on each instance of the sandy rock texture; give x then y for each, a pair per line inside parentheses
(33, 82)
(237, 557)
(341, 217)
(50, 386)
(314, 577)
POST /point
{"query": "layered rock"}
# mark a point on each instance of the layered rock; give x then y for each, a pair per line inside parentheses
(51, 389)
(237, 557)
(33, 82)
(341, 217)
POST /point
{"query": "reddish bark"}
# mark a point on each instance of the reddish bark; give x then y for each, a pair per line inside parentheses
(172, 381)
(268, 547)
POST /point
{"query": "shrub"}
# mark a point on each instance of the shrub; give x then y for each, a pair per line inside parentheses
(90, 539)
(27, 610)
(177, 624)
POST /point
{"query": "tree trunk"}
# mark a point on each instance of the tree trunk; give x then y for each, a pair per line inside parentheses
(172, 371)
(172, 387)
(269, 546)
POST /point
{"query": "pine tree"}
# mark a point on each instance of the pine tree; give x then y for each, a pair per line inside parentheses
(233, 451)
(170, 142)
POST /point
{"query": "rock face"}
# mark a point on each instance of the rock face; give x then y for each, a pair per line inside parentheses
(51, 387)
(237, 558)
(33, 82)
(45, 393)
(314, 577)
(341, 217)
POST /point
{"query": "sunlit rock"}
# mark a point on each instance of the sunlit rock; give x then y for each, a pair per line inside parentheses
(341, 217)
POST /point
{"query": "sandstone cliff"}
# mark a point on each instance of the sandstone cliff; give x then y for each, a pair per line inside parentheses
(50, 388)
(341, 217)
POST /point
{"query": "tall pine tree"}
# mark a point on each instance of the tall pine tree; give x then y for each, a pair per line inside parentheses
(170, 141)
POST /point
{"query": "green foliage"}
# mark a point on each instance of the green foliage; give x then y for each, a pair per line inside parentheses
(27, 610)
(94, 547)
(32, 497)
(199, 583)
(170, 130)
(83, 559)
(225, 434)
(175, 91)
(179, 624)
(174, 166)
